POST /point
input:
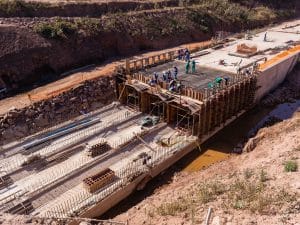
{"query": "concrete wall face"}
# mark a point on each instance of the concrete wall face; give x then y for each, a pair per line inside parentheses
(273, 76)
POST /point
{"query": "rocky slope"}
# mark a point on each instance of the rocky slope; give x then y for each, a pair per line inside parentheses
(84, 98)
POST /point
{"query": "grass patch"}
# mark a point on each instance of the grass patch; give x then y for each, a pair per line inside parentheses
(208, 192)
(290, 166)
(240, 193)
(248, 173)
(202, 16)
(173, 208)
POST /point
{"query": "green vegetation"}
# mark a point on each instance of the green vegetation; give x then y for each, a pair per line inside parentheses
(202, 16)
(9, 7)
(290, 166)
(57, 29)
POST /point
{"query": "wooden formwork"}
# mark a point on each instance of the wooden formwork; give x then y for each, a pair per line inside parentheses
(215, 106)
(227, 103)
(139, 64)
(99, 180)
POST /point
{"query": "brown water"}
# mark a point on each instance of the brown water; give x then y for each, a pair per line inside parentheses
(221, 145)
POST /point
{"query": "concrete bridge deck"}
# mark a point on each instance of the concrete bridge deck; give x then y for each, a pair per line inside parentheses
(208, 67)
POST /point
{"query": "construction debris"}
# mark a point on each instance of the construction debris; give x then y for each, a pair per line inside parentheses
(99, 180)
(98, 149)
(245, 49)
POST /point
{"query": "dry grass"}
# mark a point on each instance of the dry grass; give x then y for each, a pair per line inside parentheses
(174, 207)
(248, 191)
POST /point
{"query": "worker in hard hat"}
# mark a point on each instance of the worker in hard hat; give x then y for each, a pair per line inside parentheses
(193, 66)
(187, 67)
(210, 85)
(218, 81)
(175, 72)
(265, 36)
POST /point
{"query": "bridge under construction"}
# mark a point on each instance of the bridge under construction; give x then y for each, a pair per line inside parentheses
(83, 168)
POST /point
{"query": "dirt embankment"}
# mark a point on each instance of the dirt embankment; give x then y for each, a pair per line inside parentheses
(35, 50)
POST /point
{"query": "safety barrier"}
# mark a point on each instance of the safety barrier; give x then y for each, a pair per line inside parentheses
(139, 64)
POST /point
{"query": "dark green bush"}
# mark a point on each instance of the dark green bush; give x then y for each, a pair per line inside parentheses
(57, 29)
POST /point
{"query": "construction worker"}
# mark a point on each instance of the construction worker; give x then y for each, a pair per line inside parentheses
(175, 72)
(193, 66)
(179, 54)
(164, 76)
(226, 80)
(265, 36)
(156, 77)
(152, 81)
(218, 81)
(210, 85)
(187, 67)
(179, 86)
(169, 75)
(187, 55)
(172, 85)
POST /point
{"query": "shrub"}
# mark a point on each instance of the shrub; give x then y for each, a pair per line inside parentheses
(290, 166)
(56, 30)
(90, 25)
(263, 176)
(248, 173)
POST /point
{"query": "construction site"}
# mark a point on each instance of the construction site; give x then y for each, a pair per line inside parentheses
(84, 167)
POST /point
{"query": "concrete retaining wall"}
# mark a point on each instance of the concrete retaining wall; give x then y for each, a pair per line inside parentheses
(272, 76)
